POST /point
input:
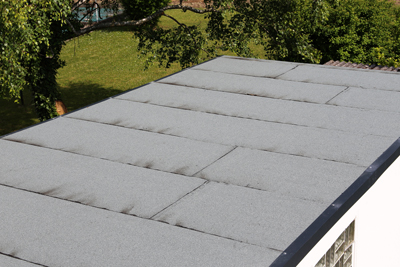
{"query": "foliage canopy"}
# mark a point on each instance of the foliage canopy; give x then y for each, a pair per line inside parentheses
(139, 9)
(313, 31)
(33, 33)
(31, 37)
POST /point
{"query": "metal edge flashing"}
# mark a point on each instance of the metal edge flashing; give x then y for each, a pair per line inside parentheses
(312, 235)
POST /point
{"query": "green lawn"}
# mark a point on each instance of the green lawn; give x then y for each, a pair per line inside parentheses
(98, 66)
(103, 64)
(14, 116)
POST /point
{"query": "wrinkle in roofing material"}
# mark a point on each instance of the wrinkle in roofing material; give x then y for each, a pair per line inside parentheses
(253, 85)
(92, 181)
(223, 164)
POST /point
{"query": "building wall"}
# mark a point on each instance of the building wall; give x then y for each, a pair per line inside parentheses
(377, 225)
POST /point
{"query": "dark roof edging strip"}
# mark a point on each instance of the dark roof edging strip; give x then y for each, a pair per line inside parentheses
(312, 235)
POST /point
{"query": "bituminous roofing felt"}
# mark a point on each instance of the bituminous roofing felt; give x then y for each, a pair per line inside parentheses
(222, 164)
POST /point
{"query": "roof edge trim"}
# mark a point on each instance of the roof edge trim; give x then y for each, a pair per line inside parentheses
(313, 234)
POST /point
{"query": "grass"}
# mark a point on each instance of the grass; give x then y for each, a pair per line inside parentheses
(106, 63)
(15, 116)
(98, 66)
(101, 65)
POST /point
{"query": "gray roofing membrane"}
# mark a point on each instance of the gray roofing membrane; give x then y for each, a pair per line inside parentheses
(222, 164)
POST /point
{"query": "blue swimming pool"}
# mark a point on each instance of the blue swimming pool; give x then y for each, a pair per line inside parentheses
(96, 16)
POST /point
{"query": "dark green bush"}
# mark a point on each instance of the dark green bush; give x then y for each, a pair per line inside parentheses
(361, 31)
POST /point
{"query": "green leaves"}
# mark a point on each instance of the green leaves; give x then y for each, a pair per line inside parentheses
(30, 31)
(313, 31)
(183, 44)
(139, 9)
(355, 29)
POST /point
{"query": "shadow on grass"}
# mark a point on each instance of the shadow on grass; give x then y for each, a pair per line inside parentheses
(119, 29)
(76, 95)
(14, 116)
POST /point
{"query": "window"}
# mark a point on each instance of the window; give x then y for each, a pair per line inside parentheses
(340, 253)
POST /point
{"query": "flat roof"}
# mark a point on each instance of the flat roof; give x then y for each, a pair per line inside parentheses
(222, 164)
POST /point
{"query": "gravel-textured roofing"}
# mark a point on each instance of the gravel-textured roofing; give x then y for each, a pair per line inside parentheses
(360, 65)
(222, 164)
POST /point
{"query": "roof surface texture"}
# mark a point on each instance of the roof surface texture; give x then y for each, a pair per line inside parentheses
(360, 66)
(223, 164)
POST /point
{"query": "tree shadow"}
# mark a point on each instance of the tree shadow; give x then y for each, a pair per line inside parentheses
(77, 95)
(119, 29)
(15, 116)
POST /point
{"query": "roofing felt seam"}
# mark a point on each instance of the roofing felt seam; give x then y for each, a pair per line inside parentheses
(88, 184)
(267, 87)
(369, 99)
(120, 122)
(291, 169)
(344, 90)
(231, 131)
(279, 111)
(249, 67)
(188, 193)
(98, 140)
(125, 237)
(12, 261)
(277, 77)
(215, 167)
(235, 93)
(214, 198)
(357, 99)
(367, 79)
(163, 210)
(247, 75)
(54, 191)
(229, 152)
(222, 65)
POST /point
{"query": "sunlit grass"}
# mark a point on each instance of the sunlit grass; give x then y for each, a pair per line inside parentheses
(99, 65)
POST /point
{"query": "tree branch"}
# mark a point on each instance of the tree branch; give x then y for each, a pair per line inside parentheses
(72, 27)
(90, 12)
(186, 27)
(180, 24)
(78, 4)
(111, 22)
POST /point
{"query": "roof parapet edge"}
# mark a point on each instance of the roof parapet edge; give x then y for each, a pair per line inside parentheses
(296, 251)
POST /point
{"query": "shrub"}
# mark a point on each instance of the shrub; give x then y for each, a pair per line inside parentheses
(360, 31)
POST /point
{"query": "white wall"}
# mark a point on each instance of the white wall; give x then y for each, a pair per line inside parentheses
(377, 225)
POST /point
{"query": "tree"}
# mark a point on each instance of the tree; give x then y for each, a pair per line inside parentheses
(139, 9)
(362, 31)
(31, 36)
(32, 33)
(313, 31)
